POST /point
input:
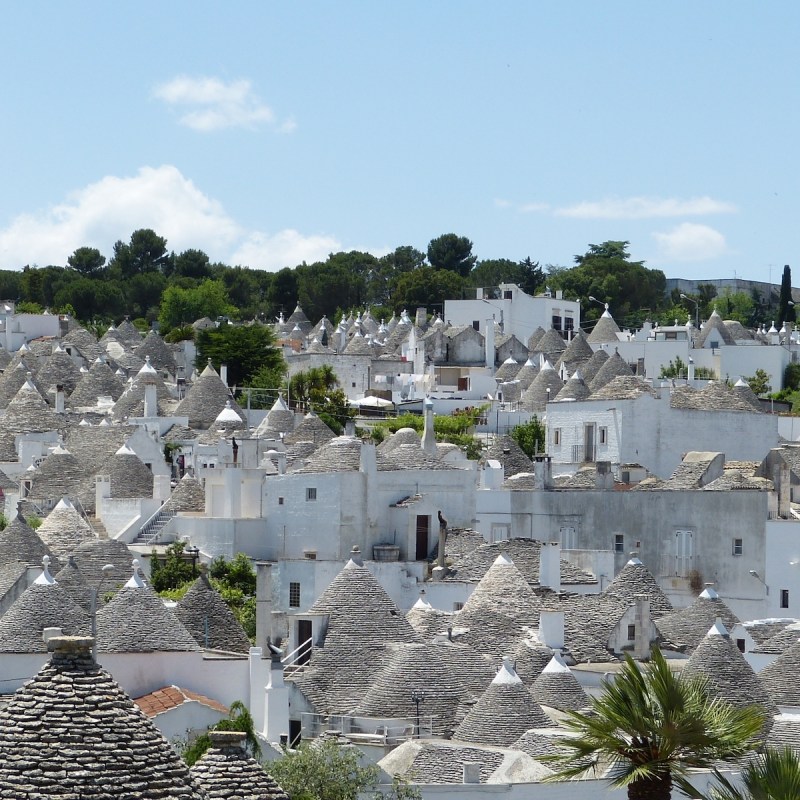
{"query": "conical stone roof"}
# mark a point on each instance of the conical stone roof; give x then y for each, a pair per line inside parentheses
(13, 379)
(128, 332)
(94, 554)
(508, 370)
(729, 676)
(59, 475)
(131, 401)
(513, 458)
(158, 350)
(716, 330)
(685, 628)
(85, 342)
(310, 429)
(59, 369)
(578, 352)
(73, 732)
(574, 389)
(544, 387)
(590, 368)
(71, 580)
(64, 530)
(534, 339)
(188, 495)
(99, 381)
(210, 621)
(137, 621)
(129, 475)
(226, 772)
(635, 579)
(280, 417)
(779, 678)
(551, 346)
(528, 371)
(612, 368)
(44, 604)
(605, 330)
(505, 711)
(499, 608)
(19, 542)
(207, 397)
(556, 687)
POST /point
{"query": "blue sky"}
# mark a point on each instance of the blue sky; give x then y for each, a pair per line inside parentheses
(267, 133)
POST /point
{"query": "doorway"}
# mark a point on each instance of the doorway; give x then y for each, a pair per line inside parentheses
(304, 631)
(423, 537)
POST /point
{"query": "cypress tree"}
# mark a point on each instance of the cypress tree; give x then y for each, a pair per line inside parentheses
(786, 308)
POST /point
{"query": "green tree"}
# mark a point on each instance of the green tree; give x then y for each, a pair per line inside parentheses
(527, 274)
(786, 310)
(738, 306)
(146, 252)
(451, 252)
(653, 727)
(191, 264)
(174, 571)
(282, 294)
(184, 306)
(530, 436)
(771, 775)
(759, 382)
(239, 719)
(317, 389)
(427, 287)
(244, 348)
(89, 261)
(606, 272)
(330, 771)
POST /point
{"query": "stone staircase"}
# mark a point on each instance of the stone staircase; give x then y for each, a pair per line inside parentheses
(153, 527)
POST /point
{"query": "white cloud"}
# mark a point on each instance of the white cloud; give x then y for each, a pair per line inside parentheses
(645, 208)
(211, 104)
(287, 248)
(160, 198)
(691, 242)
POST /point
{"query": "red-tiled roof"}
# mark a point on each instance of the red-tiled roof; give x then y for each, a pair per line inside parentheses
(171, 697)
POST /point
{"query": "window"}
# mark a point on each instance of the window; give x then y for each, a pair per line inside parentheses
(294, 595)
(602, 434)
(740, 643)
(311, 494)
(784, 598)
(738, 547)
(569, 323)
(507, 294)
(556, 322)
(631, 632)
(457, 606)
(714, 345)
(280, 501)
(619, 542)
(557, 437)
(476, 324)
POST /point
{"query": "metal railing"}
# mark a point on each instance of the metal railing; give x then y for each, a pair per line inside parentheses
(361, 729)
(292, 659)
(154, 526)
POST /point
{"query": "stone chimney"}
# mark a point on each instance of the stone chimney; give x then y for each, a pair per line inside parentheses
(421, 317)
(542, 472)
(428, 435)
(489, 344)
(263, 603)
(551, 629)
(227, 738)
(690, 371)
(784, 491)
(641, 645)
(604, 477)
(550, 566)
(471, 771)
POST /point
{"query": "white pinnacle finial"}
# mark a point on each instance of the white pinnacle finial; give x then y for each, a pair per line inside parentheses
(135, 581)
(45, 579)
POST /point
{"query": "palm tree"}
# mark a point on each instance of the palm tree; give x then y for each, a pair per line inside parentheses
(649, 728)
(773, 775)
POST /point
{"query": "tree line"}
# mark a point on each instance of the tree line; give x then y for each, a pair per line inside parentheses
(145, 280)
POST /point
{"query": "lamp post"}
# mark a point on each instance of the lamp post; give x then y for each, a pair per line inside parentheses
(193, 553)
(760, 579)
(600, 303)
(417, 697)
(696, 309)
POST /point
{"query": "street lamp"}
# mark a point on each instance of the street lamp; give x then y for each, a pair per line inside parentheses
(595, 300)
(193, 553)
(417, 697)
(759, 578)
(502, 328)
(696, 309)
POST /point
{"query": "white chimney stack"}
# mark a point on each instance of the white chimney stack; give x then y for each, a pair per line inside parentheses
(489, 342)
(59, 399)
(550, 566)
(223, 373)
(551, 629)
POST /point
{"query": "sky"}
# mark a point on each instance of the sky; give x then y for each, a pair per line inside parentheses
(271, 133)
